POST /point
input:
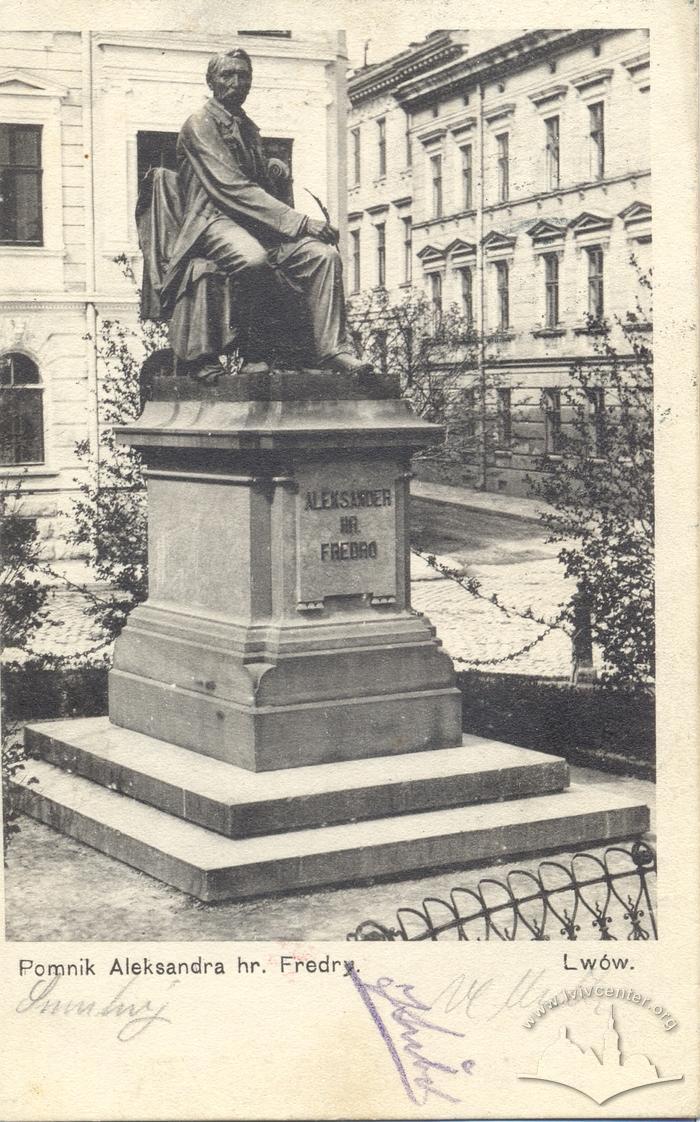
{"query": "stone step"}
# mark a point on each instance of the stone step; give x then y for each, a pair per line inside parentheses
(240, 803)
(211, 867)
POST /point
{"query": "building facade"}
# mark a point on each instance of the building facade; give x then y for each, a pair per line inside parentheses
(511, 180)
(82, 118)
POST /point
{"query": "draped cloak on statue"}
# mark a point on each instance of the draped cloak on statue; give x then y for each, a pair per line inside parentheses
(222, 169)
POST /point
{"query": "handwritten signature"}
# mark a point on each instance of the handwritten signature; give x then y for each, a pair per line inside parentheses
(140, 1015)
(406, 1011)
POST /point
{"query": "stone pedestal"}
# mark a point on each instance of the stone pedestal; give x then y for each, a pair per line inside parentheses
(278, 630)
(279, 717)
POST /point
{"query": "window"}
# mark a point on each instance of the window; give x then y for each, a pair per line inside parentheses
(466, 280)
(596, 121)
(595, 402)
(21, 412)
(467, 178)
(155, 150)
(20, 185)
(356, 163)
(381, 146)
(436, 298)
(409, 145)
(551, 286)
(504, 419)
(503, 169)
(595, 282)
(552, 152)
(381, 254)
(407, 250)
(503, 296)
(436, 174)
(552, 421)
(355, 257)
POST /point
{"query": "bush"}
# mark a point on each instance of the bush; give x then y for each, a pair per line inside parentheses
(22, 595)
(610, 729)
(602, 490)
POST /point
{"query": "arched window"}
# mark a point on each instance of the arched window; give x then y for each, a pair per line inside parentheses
(21, 411)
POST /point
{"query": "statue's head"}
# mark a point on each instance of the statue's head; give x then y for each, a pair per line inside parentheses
(229, 76)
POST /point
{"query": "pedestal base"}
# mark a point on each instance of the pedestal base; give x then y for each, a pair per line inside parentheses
(222, 833)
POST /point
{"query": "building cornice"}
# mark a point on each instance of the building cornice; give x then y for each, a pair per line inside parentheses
(541, 196)
(384, 76)
(467, 73)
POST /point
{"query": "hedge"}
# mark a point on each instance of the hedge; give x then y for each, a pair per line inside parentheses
(613, 730)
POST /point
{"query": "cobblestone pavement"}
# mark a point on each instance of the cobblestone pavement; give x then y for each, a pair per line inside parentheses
(472, 628)
(469, 628)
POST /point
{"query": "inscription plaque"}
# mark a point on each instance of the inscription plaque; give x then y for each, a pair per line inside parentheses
(346, 531)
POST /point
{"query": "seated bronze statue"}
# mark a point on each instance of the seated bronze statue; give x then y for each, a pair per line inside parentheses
(229, 263)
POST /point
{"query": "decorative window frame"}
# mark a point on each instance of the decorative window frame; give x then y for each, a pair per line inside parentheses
(18, 335)
(548, 236)
(638, 66)
(432, 138)
(498, 247)
(26, 99)
(591, 229)
(499, 117)
(432, 258)
(461, 253)
(593, 86)
(378, 213)
(637, 221)
(549, 100)
(462, 128)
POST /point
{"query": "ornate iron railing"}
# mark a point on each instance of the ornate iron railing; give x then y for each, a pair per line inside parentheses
(591, 897)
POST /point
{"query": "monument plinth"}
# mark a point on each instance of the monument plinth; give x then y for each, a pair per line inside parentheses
(278, 630)
(280, 718)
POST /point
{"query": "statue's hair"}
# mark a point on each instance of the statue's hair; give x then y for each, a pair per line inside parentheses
(217, 61)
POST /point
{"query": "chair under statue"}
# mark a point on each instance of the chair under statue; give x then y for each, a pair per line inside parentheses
(208, 312)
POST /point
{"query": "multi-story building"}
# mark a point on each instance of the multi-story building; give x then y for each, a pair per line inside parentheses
(512, 180)
(82, 118)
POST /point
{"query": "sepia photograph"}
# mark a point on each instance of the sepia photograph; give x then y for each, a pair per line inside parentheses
(327, 456)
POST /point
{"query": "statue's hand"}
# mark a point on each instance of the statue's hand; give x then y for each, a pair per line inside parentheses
(322, 231)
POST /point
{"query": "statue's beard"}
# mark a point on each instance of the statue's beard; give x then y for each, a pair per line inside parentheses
(230, 101)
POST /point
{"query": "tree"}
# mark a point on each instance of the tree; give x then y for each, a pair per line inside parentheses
(110, 517)
(432, 357)
(601, 488)
(23, 595)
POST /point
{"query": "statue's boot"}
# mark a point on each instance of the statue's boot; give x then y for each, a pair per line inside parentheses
(207, 369)
(252, 366)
